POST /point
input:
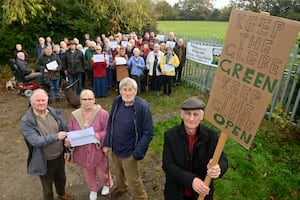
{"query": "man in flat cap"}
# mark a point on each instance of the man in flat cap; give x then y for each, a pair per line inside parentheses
(187, 153)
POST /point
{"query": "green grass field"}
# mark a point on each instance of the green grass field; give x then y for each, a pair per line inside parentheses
(194, 28)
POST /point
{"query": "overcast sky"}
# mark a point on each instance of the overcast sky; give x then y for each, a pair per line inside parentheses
(217, 4)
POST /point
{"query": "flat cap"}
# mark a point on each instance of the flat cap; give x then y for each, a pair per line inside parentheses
(192, 104)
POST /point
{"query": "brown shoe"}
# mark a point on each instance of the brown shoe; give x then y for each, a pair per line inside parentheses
(66, 197)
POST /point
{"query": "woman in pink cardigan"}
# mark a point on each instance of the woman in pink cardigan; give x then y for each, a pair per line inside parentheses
(90, 157)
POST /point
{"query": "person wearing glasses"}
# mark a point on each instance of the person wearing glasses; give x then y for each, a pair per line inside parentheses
(187, 153)
(99, 65)
(90, 157)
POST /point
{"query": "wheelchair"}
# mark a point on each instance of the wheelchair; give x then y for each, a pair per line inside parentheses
(27, 84)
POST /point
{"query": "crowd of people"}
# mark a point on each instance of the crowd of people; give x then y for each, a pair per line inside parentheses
(101, 63)
(126, 132)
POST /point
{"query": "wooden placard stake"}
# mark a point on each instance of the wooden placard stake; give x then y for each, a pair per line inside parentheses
(215, 159)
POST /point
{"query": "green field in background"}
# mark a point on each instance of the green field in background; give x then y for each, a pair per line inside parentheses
(194, 28)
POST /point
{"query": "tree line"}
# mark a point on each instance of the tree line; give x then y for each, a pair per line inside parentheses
(24, 21)
(204, 10)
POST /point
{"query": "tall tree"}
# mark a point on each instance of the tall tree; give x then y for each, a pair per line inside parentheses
(193, 9)
(24, 10)
(275, 7)
(25, 20)
(163, 11)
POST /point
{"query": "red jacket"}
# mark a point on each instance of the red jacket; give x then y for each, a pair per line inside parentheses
(99, 69)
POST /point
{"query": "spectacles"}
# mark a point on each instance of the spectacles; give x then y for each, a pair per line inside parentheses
(87, 99)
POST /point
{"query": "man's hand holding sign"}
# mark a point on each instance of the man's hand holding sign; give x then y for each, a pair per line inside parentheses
(253, 57)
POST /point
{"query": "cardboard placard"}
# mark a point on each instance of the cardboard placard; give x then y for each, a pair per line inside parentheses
(253, 57)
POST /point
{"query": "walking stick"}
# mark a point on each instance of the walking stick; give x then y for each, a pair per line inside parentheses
(108, 174)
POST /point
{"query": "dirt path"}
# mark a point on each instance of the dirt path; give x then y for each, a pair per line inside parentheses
(16, 184)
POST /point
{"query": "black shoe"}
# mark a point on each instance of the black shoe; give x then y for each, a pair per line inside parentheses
(57, 100)
(117, 193)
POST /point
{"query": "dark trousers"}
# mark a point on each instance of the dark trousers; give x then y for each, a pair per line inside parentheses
(138, 80)
(74, 77)
(167, 84)
(178, 71)
(156, 82)
(55, 174)
(90, 76)
(54, 87)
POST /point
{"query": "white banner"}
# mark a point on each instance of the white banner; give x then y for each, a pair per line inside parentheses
(203, 54)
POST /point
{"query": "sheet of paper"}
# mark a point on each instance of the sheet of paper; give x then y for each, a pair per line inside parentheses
(52, 65)
(161, 37)
(82, 137)
(124, 43)
(113, 45)
(169, 68)
(170, 43)
(120, 61)
(98, 58)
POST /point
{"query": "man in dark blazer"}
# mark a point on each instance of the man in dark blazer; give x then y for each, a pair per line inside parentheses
(188, 149)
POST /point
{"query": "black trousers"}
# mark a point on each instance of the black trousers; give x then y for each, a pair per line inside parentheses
(178, 71)
(167, 84)
(55, 174)
(156, 82)
(138, 80)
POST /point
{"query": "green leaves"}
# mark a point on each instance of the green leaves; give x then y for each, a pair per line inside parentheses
(24, 10)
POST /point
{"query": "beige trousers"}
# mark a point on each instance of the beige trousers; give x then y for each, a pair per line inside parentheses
(127, 174)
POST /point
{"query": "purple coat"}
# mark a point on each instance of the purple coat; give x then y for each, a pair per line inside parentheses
(89, 156)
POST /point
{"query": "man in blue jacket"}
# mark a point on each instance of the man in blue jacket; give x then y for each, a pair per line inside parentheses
(44, 131)
(129, 132)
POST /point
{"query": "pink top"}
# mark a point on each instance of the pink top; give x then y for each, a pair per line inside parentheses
(89, 156)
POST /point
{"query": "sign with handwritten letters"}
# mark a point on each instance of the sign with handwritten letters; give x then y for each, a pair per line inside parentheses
(253, 57)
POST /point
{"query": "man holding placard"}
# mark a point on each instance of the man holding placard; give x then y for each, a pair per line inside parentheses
(50, 65)
(187, 153)
(252, 61)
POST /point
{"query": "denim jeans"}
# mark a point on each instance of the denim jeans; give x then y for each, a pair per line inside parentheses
(74, 77)
(54, 87)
